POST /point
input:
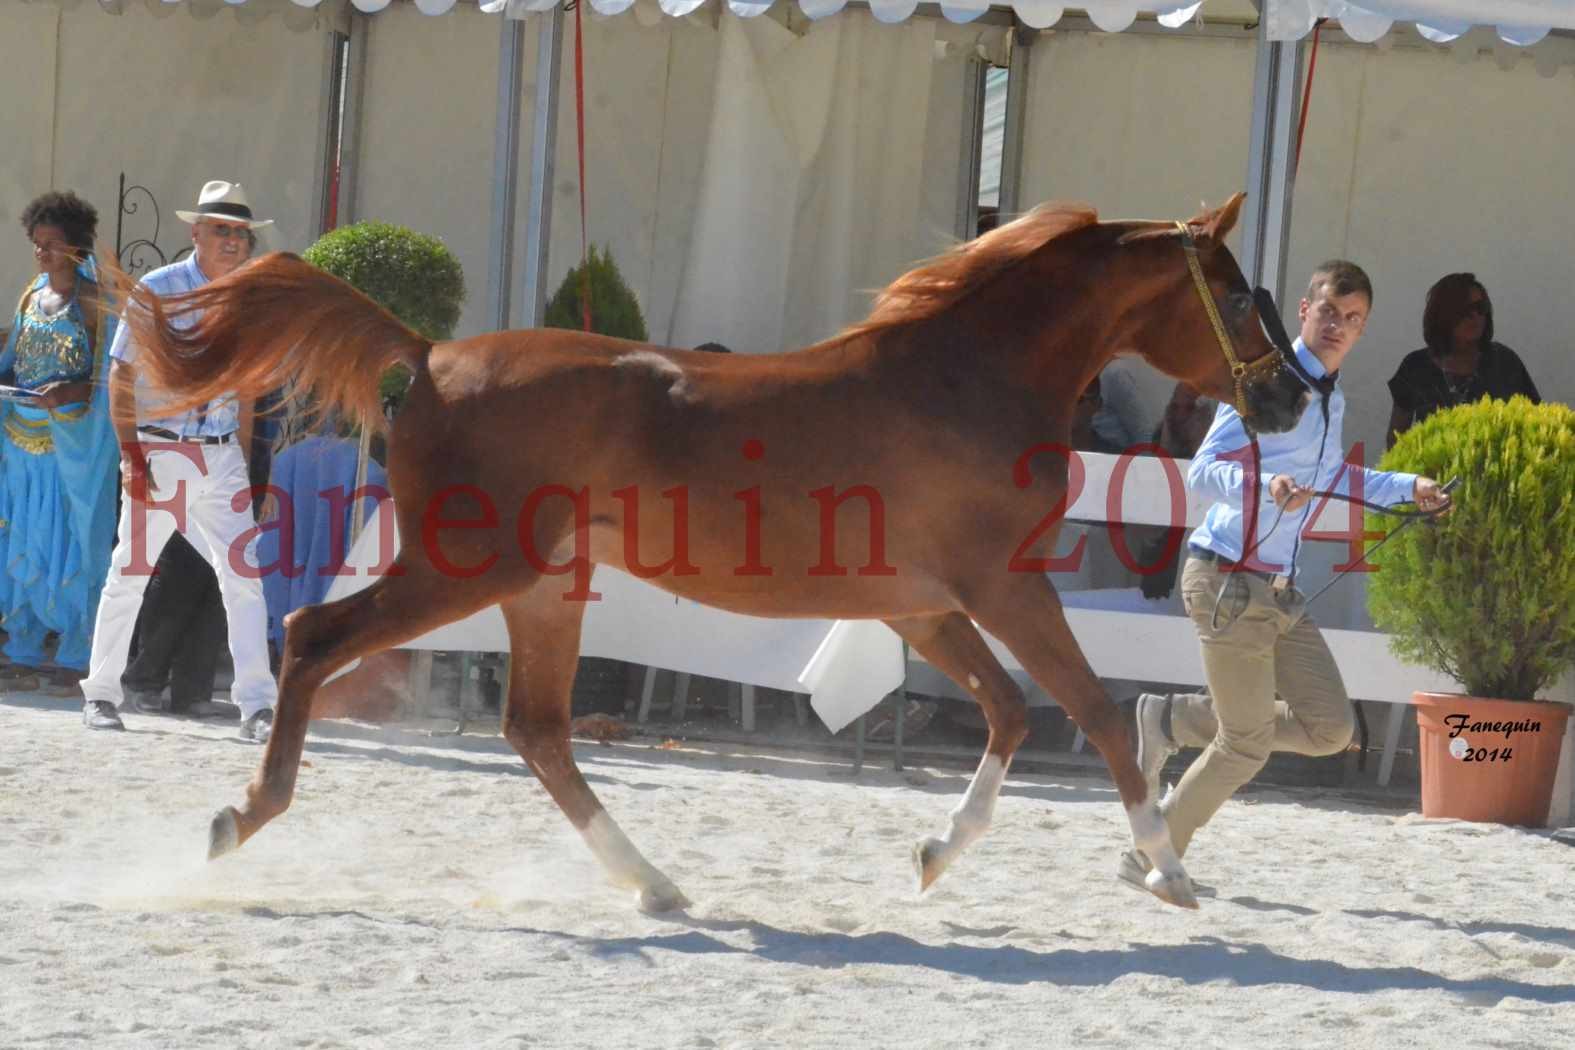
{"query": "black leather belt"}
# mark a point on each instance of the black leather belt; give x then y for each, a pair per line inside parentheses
(1279, 581)
(170, 435)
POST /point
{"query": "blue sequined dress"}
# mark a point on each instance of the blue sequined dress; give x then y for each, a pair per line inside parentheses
(57, 480)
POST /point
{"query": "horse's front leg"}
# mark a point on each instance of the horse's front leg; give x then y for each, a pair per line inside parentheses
(319, 640)
(1028, 619)
(544, 638)
(952, 644)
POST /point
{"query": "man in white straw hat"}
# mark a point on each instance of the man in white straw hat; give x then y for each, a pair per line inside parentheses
(185, 472)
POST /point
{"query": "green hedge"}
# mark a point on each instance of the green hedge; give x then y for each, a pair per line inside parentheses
(411, 275)
(1486, 595)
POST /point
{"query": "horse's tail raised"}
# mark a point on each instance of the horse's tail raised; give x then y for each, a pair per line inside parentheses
(278, 322)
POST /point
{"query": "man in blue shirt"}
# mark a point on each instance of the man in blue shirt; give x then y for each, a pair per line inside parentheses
(1273, 685)
(189, 469)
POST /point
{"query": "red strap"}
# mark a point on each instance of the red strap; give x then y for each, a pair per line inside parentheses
(579, 116)
(1301, 128)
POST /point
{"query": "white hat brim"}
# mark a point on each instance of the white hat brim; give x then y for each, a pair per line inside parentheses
(197, 216)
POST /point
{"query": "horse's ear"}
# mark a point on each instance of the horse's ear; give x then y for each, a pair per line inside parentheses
(1214, 225)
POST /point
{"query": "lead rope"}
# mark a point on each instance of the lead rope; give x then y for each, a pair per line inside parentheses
(1408, 518)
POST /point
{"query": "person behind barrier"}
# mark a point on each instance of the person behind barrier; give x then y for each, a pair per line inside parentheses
(1460, 363)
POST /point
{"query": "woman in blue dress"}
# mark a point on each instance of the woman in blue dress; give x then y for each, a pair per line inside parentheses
(57, 451)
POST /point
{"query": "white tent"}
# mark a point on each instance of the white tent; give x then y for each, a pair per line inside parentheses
(516, 263)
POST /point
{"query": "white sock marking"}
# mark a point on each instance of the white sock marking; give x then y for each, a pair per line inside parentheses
(623, 862)
(971, 818)
(1151, 834)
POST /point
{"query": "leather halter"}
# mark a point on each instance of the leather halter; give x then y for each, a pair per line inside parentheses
(1258, 370)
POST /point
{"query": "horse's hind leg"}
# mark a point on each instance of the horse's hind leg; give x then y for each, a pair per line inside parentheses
(319, 639)
(544, 635)
(953, 645)
(1027, 617)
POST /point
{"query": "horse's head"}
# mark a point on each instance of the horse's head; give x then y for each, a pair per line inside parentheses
(1216, 334)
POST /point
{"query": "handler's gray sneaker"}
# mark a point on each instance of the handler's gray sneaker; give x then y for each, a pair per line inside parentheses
(101, 714)
(1154, 745)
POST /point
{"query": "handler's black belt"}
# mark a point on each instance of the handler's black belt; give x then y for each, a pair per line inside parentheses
(170, 435)
(1279, 581)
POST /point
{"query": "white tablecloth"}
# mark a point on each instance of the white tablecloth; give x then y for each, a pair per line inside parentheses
(857, 664)
(848, 666)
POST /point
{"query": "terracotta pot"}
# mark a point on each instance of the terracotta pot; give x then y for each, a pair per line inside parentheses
(1488, 760)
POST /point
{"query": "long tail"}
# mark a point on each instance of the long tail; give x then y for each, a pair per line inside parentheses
(277, 322)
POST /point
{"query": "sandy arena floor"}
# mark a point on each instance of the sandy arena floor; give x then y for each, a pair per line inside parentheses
(426, 893)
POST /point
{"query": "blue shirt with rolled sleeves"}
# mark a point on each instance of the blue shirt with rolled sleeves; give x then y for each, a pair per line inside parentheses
(1311, 452)
(214, 419)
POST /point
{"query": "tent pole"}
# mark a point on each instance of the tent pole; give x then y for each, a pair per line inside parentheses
(1012, 134)
(543, 140)
(1266, 226)
(505, 173)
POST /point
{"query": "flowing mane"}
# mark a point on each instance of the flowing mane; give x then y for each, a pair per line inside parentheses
(929, 290)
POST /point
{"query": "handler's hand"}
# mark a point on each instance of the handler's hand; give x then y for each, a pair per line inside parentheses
(134, 476)
(1429, 495)
(1288, 495)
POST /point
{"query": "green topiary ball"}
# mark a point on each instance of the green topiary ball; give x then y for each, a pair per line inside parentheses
(1486, 595)
(411, 275)
(614, 309)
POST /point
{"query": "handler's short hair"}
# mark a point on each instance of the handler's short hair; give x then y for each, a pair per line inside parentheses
(1339, 277)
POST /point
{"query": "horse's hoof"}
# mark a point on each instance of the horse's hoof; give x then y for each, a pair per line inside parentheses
(654, 900)
(224, 834)
(1177, 889)
(928, 861)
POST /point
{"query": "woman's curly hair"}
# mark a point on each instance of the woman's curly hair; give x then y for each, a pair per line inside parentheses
(75, 217)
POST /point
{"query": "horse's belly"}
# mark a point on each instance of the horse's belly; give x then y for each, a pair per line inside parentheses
(771, 586)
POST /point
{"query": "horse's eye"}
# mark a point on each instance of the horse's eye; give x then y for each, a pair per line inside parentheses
(1240, 304)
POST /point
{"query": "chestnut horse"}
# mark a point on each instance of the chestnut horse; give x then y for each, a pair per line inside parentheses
(523, 458)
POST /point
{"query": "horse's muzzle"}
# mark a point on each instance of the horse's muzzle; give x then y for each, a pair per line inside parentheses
(1274, 406)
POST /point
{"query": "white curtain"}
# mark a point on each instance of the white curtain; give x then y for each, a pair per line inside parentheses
(811, 180)
(172, 102)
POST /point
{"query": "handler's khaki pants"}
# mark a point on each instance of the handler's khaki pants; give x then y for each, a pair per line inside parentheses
(1261, 646)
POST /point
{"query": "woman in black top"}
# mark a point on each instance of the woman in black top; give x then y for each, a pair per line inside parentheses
(1461, 363)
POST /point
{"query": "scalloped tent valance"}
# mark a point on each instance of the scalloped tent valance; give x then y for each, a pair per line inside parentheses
(1520, 22)
(1109, 15)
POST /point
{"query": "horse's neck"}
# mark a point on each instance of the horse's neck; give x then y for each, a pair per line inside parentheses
(1048, 323)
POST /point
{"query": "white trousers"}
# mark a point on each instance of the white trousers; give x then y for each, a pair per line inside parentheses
(208, 485)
